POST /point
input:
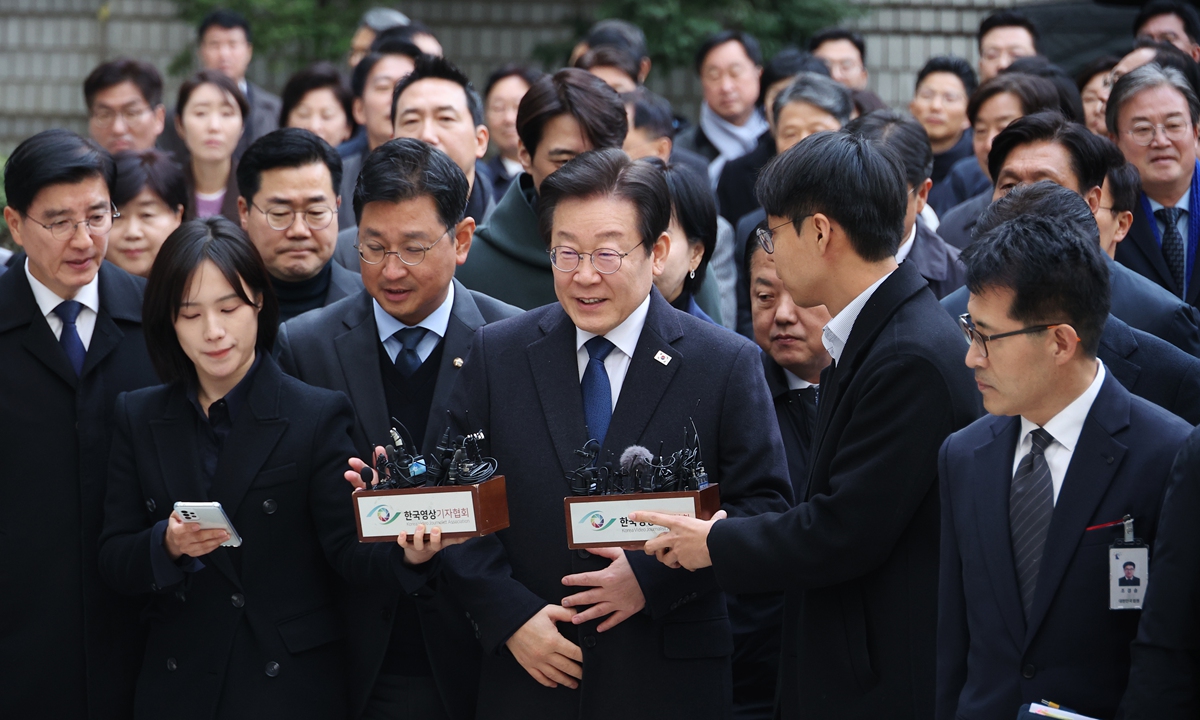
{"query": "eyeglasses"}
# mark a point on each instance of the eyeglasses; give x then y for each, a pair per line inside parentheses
(975, 337)
(281, 217)
(605, 260)
(105, 117)
(766, 236)
(410, 255)
(1143, 133)
(98, 223)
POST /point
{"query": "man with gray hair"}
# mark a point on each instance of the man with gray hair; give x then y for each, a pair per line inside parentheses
(373, 22)
(1152, 114)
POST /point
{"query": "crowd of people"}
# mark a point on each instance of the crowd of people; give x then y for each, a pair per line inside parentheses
(943, 365)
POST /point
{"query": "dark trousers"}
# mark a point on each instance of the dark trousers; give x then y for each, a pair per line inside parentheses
(405, 697)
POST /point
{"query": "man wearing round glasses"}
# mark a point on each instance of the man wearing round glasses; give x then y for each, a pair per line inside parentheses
(70, 342)
(1152, 114)
(125, 107)
(288, 207)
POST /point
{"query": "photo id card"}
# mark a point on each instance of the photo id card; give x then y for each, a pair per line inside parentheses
(1128, 576)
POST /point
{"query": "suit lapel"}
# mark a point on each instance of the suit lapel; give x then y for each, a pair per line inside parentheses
(1142, 237)
(552, 359)
(993, 462)
(175, 442)
(1093, 465)
(21, 308)
(465, 319)
(358, 352)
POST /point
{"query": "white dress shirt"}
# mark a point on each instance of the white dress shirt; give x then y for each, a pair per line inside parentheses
(512, 167)
(436, 322)
(47, 300)
(907, 246)
(1065, 428)
(625, 338)
(837, 331)
(795, 382)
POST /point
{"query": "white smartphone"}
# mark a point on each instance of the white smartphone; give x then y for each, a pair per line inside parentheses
(210, 516)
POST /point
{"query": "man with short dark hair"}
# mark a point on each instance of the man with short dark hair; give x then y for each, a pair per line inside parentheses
(502, 96)
(125, 107)
(70, 343)
(597, 633)
(1172, 22)
(944, 87)
(288, 206)
(409, 202)
(1004, 36)
(857, 555)
(1119, 196)
(561, 116)
(621, 35)
(845, 53)
(1023, 604)
(373, 22)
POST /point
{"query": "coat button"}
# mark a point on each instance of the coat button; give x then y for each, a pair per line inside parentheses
(272, 669)
(153, 587)
(171, 664)
(150, 505)
(1028, 671)
(583, 554)
(238, 600)
(386, 614)
(269, 507)
(589, 641)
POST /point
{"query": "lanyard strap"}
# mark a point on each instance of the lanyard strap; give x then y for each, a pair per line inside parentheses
(1193, 213)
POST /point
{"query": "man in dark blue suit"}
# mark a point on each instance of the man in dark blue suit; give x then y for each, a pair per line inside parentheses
(1023, 596)
(857, 555)
(578, 634)
(70, 342)
(409, 202)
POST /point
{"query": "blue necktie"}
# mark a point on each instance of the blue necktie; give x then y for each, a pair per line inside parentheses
(68, 311)
(1173, 249)
(1030, 507)
(407, 360)
(597, 392)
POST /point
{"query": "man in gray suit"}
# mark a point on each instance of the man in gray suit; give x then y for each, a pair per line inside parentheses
(395, 349)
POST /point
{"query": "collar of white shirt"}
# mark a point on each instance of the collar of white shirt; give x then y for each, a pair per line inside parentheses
(436, 322)
(47, 300)
(624, 336)
(1182, 203)
(795, 382)
(907, 246)
(837, 331)
(1065, 428)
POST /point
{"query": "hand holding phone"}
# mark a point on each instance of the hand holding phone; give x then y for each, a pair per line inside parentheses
(196, 529)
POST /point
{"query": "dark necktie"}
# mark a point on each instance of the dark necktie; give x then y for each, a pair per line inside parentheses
(1173, 249)
(1030, 507)
(597, 391)
(407, 360)
(68, 311)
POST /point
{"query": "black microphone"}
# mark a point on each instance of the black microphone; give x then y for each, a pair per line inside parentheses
(367, 475)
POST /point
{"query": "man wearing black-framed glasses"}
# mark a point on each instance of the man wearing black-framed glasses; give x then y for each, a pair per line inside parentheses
(289, 204)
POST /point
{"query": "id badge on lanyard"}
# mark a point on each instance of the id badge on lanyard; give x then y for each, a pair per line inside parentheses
(1128, 568)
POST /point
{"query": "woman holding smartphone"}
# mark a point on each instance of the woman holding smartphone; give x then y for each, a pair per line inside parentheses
(249, 631)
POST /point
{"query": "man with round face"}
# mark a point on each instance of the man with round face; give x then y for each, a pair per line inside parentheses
(225, 44)
(125, 108)
(842, 51)
(1152, 116)
(70, 342)
(396, 348)
(944, 87)
(1170, 22)
(1004, 36)
(502, 96)
(609, 362)
(288, 207)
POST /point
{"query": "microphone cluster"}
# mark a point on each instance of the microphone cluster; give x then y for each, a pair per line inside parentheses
(640, 471)
(459, 461)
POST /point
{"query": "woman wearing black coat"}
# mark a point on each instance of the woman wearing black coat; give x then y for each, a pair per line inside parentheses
(251, 631)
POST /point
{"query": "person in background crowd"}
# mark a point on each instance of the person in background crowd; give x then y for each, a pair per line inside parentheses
(372, 83)
(810, 103)
(405, 651)
(373, 22)
(1172, 22)
(844, 53)
(1023, 611)
(615, 67)
(70, 342)
(209, 117)
(150, 194)
(944, 87)
(415, 32)
(1070, 104)
(730, 66)
(1094, 82)
(125, 106)
(317, 99)
(562, 115)
(735, 189)
(1152, 115)
(288, 206)
(1004, 36)
(993, 105)
(501, 97)
(1165, 54)
(934, 259)
(619, 34)
(693, 238)
(1119, 197)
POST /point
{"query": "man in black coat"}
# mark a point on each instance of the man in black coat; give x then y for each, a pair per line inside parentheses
(1024, 603)
(591, 634)
(70, 342)
(857, 555)
(408, 192)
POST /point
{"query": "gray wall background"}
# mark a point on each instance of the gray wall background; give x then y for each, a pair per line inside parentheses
(47, 47)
